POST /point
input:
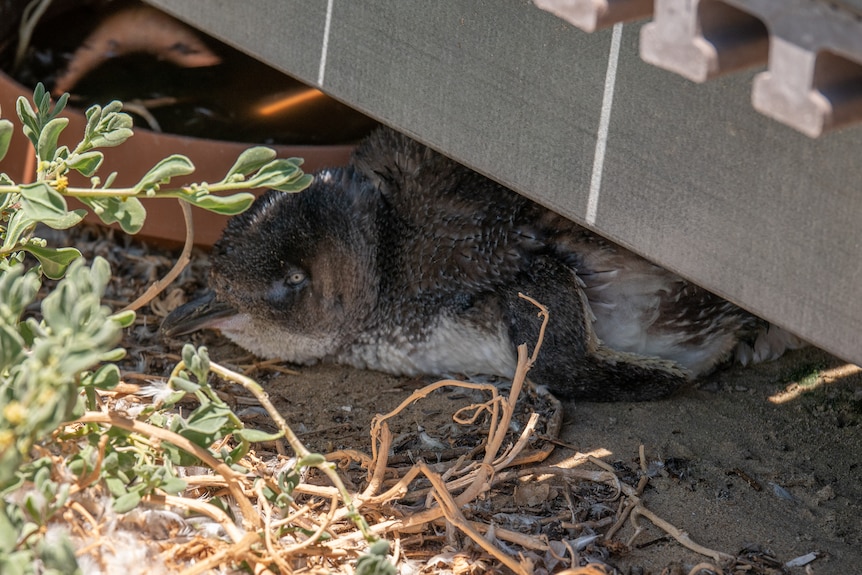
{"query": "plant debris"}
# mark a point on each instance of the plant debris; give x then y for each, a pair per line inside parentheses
(468, 496)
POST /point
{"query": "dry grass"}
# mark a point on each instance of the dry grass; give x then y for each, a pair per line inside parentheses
(495, 505)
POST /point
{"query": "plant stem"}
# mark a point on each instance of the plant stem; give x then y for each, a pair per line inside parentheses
(178, 193)
(301, 451)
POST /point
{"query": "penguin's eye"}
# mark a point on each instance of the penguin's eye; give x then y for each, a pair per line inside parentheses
(295, 277)
(281, 290)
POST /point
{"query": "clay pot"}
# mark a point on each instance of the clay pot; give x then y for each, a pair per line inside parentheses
(132, 159)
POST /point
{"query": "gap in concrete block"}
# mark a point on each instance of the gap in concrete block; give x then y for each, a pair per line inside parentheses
(839, 79)
(740, 39)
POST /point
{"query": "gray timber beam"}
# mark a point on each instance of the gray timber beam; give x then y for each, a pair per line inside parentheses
(689, 175)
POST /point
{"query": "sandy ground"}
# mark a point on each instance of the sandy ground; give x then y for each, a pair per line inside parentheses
(747, 469)
(761, 458)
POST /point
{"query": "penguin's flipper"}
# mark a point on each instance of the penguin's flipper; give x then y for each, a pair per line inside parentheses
(572, 362)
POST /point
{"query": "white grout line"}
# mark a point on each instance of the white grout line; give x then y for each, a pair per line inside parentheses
(604, 122)
(322, 71)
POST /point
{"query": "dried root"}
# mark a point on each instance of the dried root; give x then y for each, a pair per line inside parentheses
(453, 513)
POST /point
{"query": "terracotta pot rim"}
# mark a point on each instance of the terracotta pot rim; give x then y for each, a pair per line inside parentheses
(212, 158)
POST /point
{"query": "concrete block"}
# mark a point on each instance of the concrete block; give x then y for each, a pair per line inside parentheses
(591, 15)
(814, 80)
(702, 39)
(813, 49)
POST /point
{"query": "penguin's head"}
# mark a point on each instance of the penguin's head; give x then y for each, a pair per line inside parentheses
(295, 276)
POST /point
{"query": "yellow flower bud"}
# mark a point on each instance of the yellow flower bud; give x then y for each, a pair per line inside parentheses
(61, 183)
(15, 413)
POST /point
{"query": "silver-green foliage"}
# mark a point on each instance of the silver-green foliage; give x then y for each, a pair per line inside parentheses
(44, 363)
(52, 367)
(23, 206)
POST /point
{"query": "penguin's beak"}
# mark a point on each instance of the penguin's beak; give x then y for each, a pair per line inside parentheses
(201, 313)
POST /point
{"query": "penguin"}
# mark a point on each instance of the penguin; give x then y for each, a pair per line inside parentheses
(407, 262)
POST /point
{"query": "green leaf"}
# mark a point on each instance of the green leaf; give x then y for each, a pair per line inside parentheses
(281, 174)
(55, 261)
(174, 484)
(30, 329)
(249, 161)
(162, 172)
(28, 119)
(106, 127)
(58, 556)
(125, 318)
(119, 130)
(207, 423)
(8, 531)
(34, 120)
(110, 180)
(224, 205)
(256, 436)
(311, 460)
(106, 377)
(100, 275)
(47, 145)
(293, 185)
(42, 98)
(94, 116)
(172, 399)
(126, 502)
(207, 420)
(113, 138)
(86, 163)
(235, 455)
(97, 124)
(60, 105)
(115, 354)
(288, 480)
(380, 547)
(115, 485)
(184, 385)
(17, 290)
(128, 212)
(6, 129)
(40, 201)
(375, 563)
(65, 221)
(18, 225)
(197, 361)
(11, 347)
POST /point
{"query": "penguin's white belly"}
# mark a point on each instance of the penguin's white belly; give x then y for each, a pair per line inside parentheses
(449, 345)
